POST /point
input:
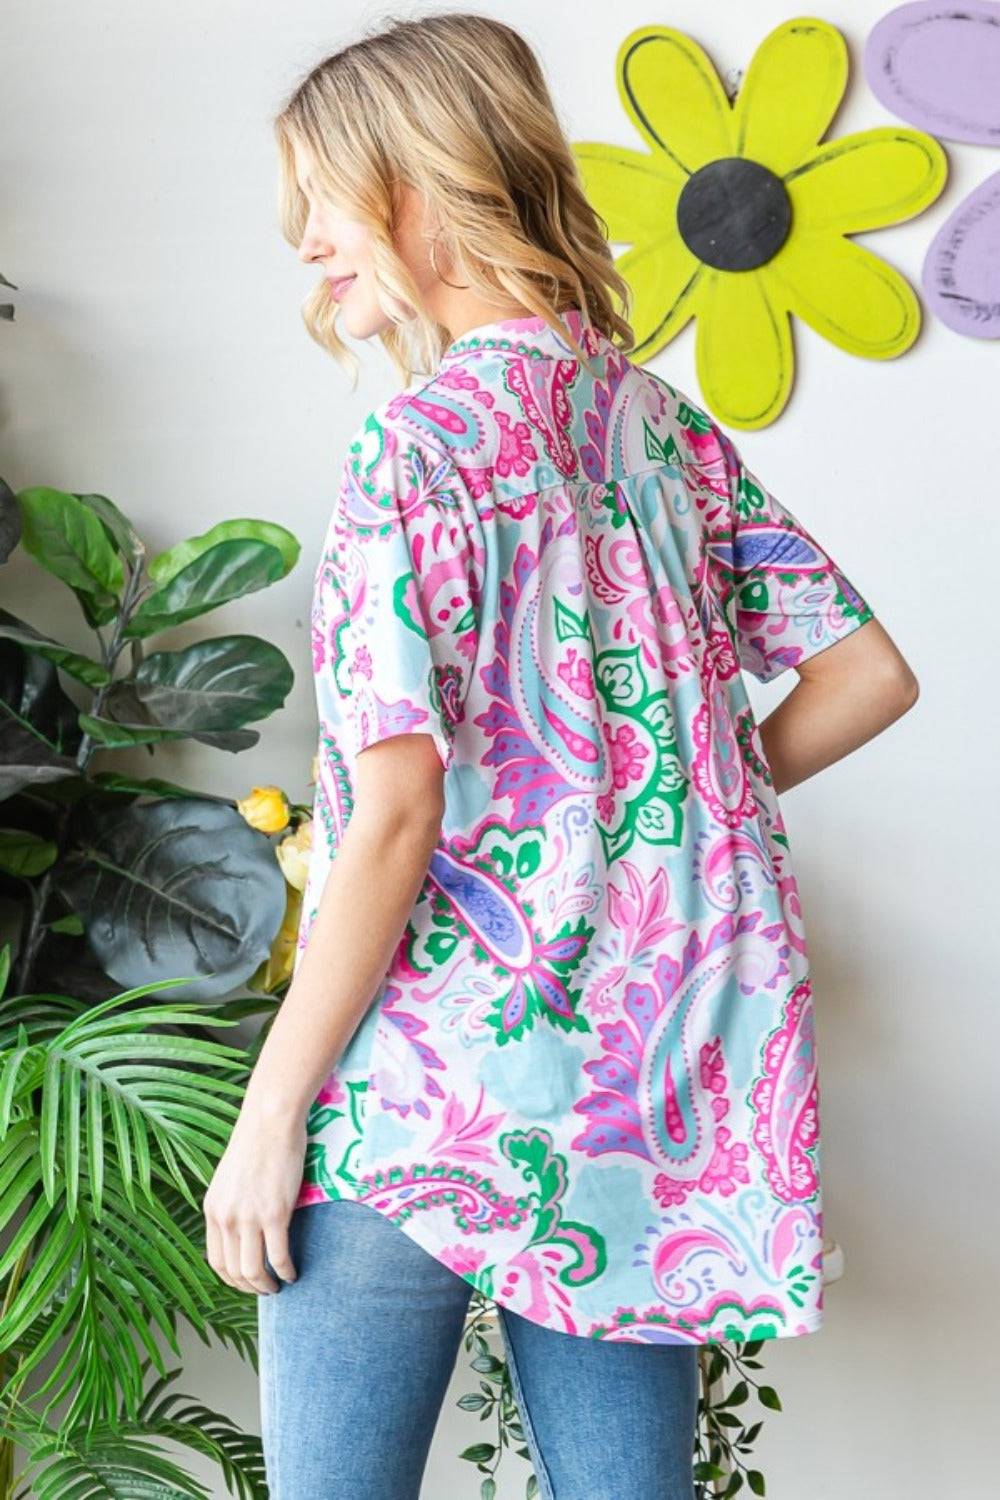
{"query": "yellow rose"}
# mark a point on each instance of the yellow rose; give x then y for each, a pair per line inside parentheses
(266, 809)
(314, 769)
(280, 962)
(293, 855)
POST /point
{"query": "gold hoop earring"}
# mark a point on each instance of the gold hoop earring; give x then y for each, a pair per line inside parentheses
(458, 285)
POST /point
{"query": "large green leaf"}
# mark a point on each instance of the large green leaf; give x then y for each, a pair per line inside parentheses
(168, 564)
(39, 729)
(181, 886)
(25, 854)
(115, 736)
(227, 571)
(122, 781)
(117, 525)
(84, 668)
(68, 539)
(216, 684)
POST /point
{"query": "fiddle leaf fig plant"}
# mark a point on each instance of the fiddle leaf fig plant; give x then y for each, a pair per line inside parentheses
(115, 1099)
(164, 882)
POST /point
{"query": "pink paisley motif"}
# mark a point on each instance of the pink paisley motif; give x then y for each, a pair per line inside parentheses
(464, 1260)
(540, 387)
(648, 1099)
(467, 1138)
(721, 1315)
(786, 1099)
(516, 506)
(318, 644)
(516, 452)
(529, 1287)
(577, 673)
(717, 770)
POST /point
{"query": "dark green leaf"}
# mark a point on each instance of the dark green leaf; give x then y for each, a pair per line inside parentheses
(114, 736)
(39, 732)
(25, 854)
(478, 1453)
(216, 684)
(118, 527)
(10, 517)
(705, 1470)
(122, 781)
(83, 668)
(179, 887)
(70, 924)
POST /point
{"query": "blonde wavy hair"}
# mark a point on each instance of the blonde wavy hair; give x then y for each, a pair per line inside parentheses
(456, 105)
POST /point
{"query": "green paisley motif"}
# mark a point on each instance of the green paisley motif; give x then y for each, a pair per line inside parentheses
(317, 1171)
(532, 1151)
(654, 813)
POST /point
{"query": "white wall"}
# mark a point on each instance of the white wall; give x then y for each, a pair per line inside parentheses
(158, 357)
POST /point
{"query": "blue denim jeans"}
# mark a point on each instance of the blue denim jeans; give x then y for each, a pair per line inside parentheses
(357, 1353)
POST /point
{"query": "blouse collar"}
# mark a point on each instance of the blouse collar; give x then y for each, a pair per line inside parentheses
(530, 334)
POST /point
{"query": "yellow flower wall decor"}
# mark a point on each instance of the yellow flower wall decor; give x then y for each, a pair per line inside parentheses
(737, 215)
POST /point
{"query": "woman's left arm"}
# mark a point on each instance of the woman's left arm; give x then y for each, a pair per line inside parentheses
(367, 899)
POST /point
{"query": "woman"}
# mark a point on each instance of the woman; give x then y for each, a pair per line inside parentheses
(550, 1028)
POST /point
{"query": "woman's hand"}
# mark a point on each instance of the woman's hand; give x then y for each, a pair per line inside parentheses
(250, 1199)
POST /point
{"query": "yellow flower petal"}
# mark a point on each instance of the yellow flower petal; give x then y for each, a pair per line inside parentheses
(862, 181)
(743, 349)
(279, 965)
(663, 277)
(672, 94)
(266, 808)
(635, 192)
(293, 855)
(790, 93)
(848, 294)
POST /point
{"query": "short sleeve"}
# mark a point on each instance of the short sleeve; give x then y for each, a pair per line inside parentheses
(405, 584)
(790, 599)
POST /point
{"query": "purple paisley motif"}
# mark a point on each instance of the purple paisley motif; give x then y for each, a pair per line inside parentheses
(532, 784)
(650, 1101)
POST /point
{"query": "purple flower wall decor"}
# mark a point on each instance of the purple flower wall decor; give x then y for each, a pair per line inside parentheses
(938, 67)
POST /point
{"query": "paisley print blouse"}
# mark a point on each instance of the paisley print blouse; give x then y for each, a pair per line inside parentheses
(588, 1082)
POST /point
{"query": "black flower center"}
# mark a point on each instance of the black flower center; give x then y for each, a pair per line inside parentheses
(734, 214)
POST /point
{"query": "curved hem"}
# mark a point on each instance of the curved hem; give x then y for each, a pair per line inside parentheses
(416, 1229)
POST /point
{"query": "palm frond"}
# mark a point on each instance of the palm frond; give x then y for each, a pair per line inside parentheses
(112, 1459)
(100, 1284)
(99, 1066)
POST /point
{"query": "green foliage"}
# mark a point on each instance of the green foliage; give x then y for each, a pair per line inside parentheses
(721, 1439)
(116, 1101)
